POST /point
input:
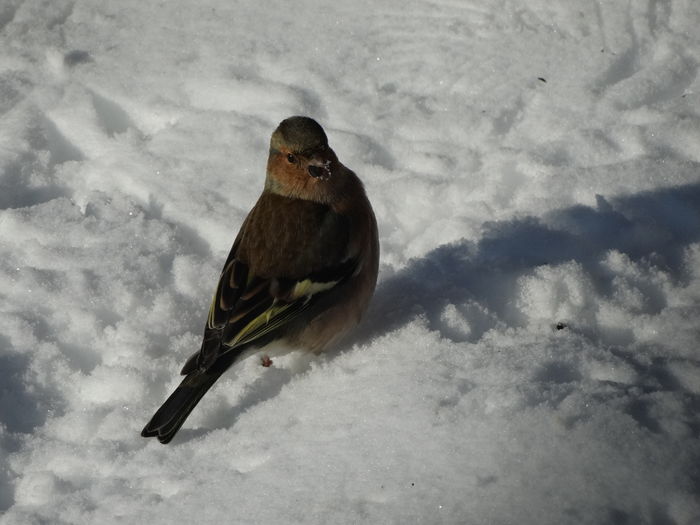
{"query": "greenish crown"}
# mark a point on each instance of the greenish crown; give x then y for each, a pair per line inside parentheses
(299, 134)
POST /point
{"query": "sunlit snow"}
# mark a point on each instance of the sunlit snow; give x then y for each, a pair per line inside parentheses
(532, 352)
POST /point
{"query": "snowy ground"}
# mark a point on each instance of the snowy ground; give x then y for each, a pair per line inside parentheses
(533, 165)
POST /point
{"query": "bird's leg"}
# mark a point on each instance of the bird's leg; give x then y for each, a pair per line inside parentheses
(266, 361)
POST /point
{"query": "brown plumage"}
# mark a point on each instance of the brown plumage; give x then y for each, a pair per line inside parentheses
(300, 273)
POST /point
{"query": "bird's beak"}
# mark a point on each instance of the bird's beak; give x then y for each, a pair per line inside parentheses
(319, 168)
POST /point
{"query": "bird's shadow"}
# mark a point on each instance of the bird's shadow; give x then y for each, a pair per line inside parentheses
(656, 225)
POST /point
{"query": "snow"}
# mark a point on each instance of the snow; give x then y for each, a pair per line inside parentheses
(531, 353)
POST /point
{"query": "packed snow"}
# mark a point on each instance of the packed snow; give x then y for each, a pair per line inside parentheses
(531, 355)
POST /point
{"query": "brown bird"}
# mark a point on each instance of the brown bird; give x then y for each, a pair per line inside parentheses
(300, 274)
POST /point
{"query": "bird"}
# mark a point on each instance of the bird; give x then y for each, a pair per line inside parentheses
(300, 274)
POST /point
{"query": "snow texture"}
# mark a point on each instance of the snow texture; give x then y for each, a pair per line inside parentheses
(531, 355)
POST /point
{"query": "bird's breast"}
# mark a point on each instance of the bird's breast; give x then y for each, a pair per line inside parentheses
(292, 237)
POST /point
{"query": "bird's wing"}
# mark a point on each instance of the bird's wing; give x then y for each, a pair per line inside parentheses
(246, 307)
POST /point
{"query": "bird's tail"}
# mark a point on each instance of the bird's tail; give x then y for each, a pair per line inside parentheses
(172, 414)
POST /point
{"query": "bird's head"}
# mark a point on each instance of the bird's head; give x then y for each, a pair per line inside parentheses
(301, 164)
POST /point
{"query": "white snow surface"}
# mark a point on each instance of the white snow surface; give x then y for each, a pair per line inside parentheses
(531, 353)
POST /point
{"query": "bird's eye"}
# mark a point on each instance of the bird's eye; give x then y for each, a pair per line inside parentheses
(291, 158)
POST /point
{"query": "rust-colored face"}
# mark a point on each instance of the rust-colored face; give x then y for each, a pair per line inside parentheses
(306, 175)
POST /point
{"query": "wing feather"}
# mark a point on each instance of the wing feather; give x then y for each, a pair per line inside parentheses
(248, 303)
(261, 306)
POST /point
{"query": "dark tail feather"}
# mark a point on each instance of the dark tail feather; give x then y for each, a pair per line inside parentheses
(169, 418)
